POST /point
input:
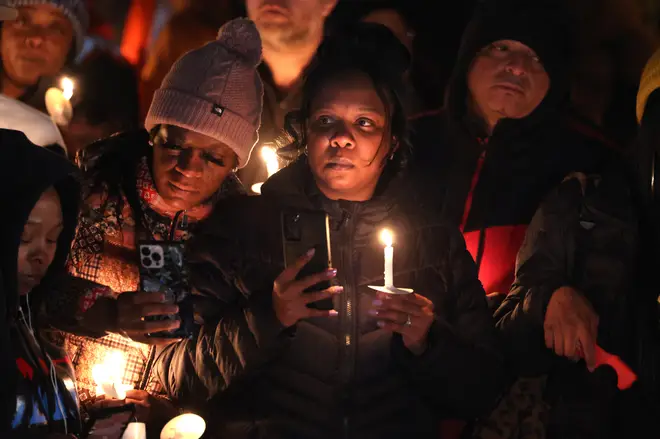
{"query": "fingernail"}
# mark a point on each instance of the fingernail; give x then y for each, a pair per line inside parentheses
(311, 252)
(380, 324)
(337, 289)
(373, 312)
(162, 298)
(333, 313)
(332, 272)
(377, 302)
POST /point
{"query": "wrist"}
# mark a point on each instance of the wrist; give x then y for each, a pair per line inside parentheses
(416, 348)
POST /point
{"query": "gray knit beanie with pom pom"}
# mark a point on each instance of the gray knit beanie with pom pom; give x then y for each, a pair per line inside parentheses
(215, 90)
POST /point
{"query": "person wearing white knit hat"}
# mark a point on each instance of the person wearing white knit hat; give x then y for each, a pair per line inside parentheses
(44, 36)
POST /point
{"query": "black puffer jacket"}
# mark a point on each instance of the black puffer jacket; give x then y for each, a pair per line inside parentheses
(335, 377)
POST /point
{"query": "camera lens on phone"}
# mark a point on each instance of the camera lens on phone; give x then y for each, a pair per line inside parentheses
(146, 251)
(156, 257)
(146, 262)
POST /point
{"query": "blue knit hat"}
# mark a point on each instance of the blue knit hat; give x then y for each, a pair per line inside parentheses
(74, 10)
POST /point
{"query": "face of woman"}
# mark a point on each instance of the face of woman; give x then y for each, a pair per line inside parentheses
(348, 137)
(189, 167)
(39, 241)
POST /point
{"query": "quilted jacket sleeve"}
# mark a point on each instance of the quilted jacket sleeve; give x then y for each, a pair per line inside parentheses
(542, 267)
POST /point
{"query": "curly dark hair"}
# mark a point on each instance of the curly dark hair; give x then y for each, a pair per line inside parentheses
(366, 48)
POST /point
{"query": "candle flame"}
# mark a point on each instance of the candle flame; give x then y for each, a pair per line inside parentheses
(111, 372)
(269, 155)
(387, 237)
(67, 88)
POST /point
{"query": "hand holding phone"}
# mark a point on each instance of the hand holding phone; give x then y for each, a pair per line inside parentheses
(134, 307)
(289, 298)
(303, 230)
(163, 271)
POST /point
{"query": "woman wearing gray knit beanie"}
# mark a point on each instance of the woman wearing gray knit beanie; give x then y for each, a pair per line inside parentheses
(36, 46)
(157, 185)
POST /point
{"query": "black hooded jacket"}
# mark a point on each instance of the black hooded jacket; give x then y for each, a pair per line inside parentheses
(334, 377)
(29, 406)
(492, 185)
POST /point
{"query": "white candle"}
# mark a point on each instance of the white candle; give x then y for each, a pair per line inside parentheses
(67, 88)
(387, 239)
(269, 155)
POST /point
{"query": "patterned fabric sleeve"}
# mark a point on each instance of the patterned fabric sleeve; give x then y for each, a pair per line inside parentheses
(70, 298)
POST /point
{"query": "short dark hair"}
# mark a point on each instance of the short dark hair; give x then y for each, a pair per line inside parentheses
(366, 48)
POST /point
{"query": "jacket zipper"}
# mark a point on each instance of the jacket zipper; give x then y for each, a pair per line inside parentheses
(348, 321)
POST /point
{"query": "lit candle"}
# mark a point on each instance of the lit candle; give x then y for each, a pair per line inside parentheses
(269, 155)
(67, 88)
(58, 102)
(387, 239)
(108, 376)
(186, 426)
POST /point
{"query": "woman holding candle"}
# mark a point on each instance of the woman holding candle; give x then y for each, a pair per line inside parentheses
(376, 366)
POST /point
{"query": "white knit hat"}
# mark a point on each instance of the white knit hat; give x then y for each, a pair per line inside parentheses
(74, 10)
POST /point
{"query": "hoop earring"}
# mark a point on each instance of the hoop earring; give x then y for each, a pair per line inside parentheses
(306, 151)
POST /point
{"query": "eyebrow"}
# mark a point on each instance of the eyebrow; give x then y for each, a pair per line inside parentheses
(360, 110)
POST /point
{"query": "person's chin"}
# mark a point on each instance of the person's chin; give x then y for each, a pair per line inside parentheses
(26, 285)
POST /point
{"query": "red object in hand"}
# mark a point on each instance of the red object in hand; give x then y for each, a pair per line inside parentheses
(625, 376)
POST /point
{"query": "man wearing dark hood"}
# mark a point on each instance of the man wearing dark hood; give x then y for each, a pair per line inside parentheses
(38, 389)
(501, 143)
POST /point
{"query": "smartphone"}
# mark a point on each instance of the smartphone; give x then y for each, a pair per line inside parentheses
(301, 231)
(162, 269)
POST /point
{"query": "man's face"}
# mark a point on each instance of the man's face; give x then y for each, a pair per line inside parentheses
(288, 23)
(507, 80)
(36, 44)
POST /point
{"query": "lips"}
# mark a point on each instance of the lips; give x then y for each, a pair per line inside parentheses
(340, 164)
(510, 86)
(181, 188)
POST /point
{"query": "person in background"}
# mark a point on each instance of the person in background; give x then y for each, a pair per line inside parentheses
(38, 45)
(501, 143)
(107, 102)
(156, 184)
(193, 24)
(582, 283)
(378, 365)
(291, 32)
(396, 22)
(38, 397)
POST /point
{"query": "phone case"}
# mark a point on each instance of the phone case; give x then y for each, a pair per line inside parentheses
(162, 269)
(301, 231)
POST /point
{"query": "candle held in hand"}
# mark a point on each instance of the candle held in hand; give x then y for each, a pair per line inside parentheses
(387, 239)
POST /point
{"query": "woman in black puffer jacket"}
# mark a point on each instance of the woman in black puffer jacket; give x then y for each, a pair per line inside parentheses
(377, 366)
